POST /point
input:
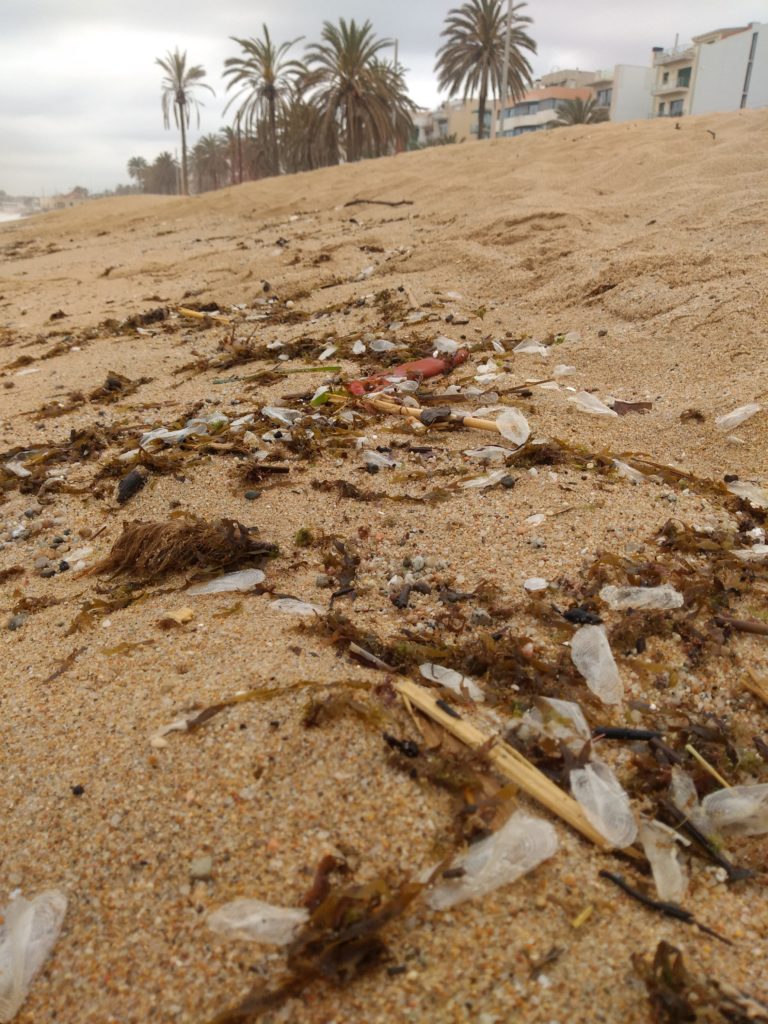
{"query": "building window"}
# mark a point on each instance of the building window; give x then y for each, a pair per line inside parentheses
(662, 109)
(604, 97)
(684, 77)
(676, 108)
(665, 78)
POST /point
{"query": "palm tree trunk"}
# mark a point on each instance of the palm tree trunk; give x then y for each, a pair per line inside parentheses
(273, 135)
(481, 113)
(184, 177)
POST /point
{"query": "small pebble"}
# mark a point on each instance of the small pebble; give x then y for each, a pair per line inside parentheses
(63, 566)
(418, 563)
(480, 617)
(252, 495)
(321, 580)
(77, 790)
(42, 563)
(16, 621)
(48, 572)
(200, 868)
(30, 513)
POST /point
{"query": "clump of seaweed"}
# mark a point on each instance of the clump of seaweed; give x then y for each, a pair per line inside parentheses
(150, 550)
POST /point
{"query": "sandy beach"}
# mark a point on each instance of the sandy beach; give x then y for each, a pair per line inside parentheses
(637, 255)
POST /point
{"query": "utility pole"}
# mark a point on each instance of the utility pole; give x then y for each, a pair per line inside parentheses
(505, 70)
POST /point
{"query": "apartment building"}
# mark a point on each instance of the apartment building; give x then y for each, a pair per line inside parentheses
(726, 69)
(537, 109)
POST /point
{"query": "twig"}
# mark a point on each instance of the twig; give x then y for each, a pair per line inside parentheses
(743, 625)
(194, 314)
(707, 766)
(609, 732)
(507, 761)
(756, 684)
(415, 412)
(378, 202)
(735, 874)
(668, 909)
(67, 663)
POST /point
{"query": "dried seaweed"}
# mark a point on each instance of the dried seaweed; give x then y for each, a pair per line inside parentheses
(116, 386)
(678, 996)
(150, 550)
(340, 942)
(11, 573)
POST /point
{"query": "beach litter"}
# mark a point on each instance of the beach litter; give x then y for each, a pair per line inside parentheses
(29, 929)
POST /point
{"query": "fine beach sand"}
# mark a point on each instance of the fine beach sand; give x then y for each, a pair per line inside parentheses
(646, 245)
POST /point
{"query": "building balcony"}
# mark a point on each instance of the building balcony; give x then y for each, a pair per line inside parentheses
(673, 55)
(669, 88)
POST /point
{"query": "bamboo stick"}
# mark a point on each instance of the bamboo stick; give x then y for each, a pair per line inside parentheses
(194, 314)
(756, 684)
(508, 762)
(414, 412)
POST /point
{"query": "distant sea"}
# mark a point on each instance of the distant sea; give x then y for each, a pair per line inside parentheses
(9, 216)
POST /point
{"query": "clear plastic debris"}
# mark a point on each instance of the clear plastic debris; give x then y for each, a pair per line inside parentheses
(378, 459)
(661, 598)
(627, 472)
(519, 846)
(738, 810)
(591, 404)
(682, 793)
(443, 344)
(752, 493)
(591, 654)
(358, 348)
(734, 419)
(757, 553)
(257, 921)
(285, 417)
(662, 848)
(28, 933)
(242, 581)
(18, 469)
(489, 453)
(532, 347)
(490, 480)
(605, 803)
(558, 720)
(514, 426)
(292, 606)
(383, 345)
(452, 680)
(535, 583)
(328, 351)
(564, 370)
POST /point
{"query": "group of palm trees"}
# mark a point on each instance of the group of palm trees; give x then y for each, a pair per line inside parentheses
(343, 101)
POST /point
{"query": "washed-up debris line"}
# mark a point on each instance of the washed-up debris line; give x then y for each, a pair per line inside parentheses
(536, 689)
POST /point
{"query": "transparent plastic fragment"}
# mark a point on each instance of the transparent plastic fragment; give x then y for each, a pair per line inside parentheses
(514, 426)
(28, 932)
(734, 419)
(591, 404)
(489, 453)
(558, 720)
(18, 469)
(327, 352)
(378, 459)
(627, 472)
(489, 480)
(531, 346)
(358, 348)
(534, 583)
(662, 848)
(605, 803)
(757, 553)
(739, 810)
(285, 417)
(661, 598)
(292, 606)
(383, 345)
(443, 344)
(245, 579)
(563, 370)
(452, 680)
(591, 654)
(752, 493)
(682, 793)
(257, 921)
(519, 846)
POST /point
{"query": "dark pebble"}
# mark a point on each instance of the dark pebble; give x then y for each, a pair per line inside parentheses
(56, 541)
(48, 572)
(508, 482)
(16, 621)
(30, 513)
(63, 566)
(252, 495)
(602, 332)
(78, 790)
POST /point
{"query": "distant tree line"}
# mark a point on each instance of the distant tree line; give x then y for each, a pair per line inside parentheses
(343, 101)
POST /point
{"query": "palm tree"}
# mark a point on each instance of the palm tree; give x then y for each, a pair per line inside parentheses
(163, 175)
(210, 162)
(137, 169)
(267, 80)
(472, 55)
(178, 92)
(352, 89)
(580, 111)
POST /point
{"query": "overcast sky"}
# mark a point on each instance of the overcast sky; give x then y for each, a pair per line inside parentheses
(80, 94)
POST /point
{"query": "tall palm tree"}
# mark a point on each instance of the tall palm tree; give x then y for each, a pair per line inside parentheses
(267, 81)
(580, 111)
(163, 175)
(137, 169)
(352, 89)
(210, 162)
(472, 56)
(179, 87)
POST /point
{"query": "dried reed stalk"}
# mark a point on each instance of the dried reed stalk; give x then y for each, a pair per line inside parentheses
(508, 762)
(756, 684)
